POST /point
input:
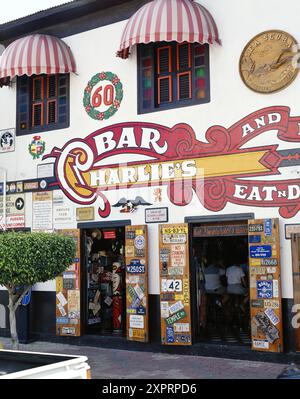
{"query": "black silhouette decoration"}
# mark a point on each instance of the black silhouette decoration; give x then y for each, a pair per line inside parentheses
(129, 206)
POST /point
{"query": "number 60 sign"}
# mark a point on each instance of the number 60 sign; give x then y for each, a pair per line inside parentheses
(103, 95)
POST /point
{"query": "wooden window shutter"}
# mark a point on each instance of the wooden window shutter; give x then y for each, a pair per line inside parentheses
(164, 59)
(52, 86)
(184, 85)
(37, 114)
(183, 56)
(52, 98)
(164, 89)
(37, 89)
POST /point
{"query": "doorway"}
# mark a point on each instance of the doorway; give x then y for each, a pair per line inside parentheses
(104, 280)
(220, 282)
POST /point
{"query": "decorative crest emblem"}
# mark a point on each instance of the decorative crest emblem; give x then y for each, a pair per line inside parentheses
(37, 147)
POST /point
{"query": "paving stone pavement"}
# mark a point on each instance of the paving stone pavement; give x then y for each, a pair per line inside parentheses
(122, 364)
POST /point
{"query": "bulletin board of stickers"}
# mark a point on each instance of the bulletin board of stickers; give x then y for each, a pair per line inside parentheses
(68, 293)
(265, 285)
(136, 255)
(174, 285)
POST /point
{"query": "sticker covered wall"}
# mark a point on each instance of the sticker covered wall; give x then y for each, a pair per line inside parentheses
(265, 285)
(137, 309)
(174, 285)
(68, 309)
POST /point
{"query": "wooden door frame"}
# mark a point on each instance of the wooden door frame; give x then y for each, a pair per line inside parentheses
(192, 220)
(295, 244)
(85, 226)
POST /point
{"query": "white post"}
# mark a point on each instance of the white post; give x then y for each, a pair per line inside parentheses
(4, 197)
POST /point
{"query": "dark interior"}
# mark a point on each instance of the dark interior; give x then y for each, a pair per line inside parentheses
(220, 317)
(104, 281)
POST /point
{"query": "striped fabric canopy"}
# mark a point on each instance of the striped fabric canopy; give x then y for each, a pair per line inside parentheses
(36, 54)
(168, 20)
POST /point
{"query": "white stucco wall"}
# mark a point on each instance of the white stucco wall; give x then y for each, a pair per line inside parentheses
(94, 51)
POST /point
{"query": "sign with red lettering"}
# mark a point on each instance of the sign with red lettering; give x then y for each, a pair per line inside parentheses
(103, 95)
(109, 234)
(85, 170)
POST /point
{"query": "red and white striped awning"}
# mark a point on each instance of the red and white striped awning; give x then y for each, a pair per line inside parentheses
(169, 20)
(36, 54)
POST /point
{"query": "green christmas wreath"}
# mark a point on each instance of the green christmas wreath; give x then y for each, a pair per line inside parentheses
(91, 111)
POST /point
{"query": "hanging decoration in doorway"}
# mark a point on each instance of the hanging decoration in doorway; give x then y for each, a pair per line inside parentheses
(117, 300)
(36, 147)
(103, 95)
(229, 157)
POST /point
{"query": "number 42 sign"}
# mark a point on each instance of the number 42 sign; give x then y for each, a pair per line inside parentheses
(171, 285)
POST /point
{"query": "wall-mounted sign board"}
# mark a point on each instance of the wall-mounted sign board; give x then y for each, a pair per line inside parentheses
(42, 211)
(220, 230)
(174, 285)
(136, 257)
(156, 215)
(265, 285)
(68, 310)
(7, 140)
(85, 213)
(63, 210)
(45, 170)
(291, 229)
(15, 211)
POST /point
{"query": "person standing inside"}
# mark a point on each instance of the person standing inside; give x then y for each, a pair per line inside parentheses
(214, 278)
(237, 282)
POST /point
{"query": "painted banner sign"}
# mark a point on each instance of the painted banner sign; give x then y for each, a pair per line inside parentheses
(265, 283)
(136, 243)
(84, 168)
(68, 313)
(174, 285)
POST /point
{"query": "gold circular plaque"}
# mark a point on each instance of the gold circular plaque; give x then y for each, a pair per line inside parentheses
(267, 63)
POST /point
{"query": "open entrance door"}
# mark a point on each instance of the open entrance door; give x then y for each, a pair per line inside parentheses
(175, 285)
(136, 258)
(220, 283)
(68, 312)
(296, 281)
(265, 285)
(104, 280)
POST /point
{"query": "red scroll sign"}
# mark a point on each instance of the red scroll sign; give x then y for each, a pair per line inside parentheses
(80, 156)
